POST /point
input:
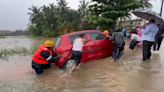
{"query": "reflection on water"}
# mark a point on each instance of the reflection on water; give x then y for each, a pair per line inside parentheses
(130, 74)
(11, 42)
(22, 45)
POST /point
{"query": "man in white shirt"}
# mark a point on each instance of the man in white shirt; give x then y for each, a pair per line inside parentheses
(134, 40)
(78, 44)
(134, 36)
(148, 37)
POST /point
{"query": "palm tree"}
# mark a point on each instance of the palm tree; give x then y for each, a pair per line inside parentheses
(50, 20)
(35, 20)
(35, 12)
(49, 15)
(62, 5)
(83, 8)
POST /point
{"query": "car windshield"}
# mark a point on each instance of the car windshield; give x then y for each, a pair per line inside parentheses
(72, 38)
(58, 41)
(97, 36)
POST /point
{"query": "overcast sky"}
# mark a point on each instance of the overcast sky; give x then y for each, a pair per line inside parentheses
(13, 13)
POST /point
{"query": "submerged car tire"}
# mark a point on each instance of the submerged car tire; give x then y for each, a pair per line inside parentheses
(69, 65)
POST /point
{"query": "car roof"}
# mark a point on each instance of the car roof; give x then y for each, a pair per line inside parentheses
(81, 32)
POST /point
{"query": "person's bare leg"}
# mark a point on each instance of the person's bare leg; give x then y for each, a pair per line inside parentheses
(72, 69)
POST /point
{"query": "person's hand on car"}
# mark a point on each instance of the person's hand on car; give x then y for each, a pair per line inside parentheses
(162, 35)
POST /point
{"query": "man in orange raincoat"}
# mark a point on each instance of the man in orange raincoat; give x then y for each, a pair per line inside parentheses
(43, 57)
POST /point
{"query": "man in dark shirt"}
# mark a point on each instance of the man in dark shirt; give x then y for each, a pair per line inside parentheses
(119, 40)
(159, 37)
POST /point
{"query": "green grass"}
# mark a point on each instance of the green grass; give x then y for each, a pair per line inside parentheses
(2, 37)
(8, 52)
(36, 47)
(20, 51)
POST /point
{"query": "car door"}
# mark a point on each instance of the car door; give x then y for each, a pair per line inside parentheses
(103, 46)
(87, 48)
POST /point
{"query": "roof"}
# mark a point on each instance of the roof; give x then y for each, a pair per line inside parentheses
(131, 20)
(80, 32)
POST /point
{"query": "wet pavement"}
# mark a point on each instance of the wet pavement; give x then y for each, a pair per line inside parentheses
(129, 74)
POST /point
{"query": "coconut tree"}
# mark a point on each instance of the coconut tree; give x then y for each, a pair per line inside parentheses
(83, 6)
(49, 20)
(35, 13)
(68, 18)
(52, 20)
(35, 20)
(62, 6)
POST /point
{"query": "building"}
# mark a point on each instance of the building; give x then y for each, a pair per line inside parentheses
(132, 23)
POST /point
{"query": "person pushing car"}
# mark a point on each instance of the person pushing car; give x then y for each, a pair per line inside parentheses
(44, 56)
(106, 33)
(78, 44)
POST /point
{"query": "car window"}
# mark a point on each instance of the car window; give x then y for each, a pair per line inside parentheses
(58, 41)
(72, 38)
(97, 36)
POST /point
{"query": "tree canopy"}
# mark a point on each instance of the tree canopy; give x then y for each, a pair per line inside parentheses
(105, 13)
(53, 20)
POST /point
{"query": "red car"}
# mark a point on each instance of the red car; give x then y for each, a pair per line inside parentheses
(97, 46)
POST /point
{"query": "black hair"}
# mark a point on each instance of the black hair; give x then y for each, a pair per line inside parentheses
(152, 20)
(158, 25)
(117, 30)
(134, 32)
(81, 35)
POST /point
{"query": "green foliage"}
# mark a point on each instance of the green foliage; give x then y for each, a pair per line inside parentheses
(36, 46)
(105, 13)
(16, 51)
(53, 20)
(84, 16)
(83, 9)
(20, 50)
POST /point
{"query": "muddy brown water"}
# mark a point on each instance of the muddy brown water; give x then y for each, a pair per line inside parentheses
(129, 74)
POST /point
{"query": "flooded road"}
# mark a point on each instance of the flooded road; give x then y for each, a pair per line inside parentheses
(11, 42)
(129, 74)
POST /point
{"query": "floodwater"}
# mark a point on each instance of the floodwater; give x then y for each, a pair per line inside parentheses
(129, 74)
(11, 42)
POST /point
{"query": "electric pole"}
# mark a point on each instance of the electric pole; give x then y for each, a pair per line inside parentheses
(161, 7)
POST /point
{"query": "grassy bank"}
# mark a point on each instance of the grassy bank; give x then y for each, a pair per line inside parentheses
(20, 50)
(36, 42)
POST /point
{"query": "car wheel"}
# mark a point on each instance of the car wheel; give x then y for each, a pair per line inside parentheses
(69, 65)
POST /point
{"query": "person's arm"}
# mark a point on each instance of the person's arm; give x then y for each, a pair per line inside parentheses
(162, 35)
(107, 37)
(84, 41)
(48, 57)
(131, 38)
(146, 30)
(122, 35)
(162, 32)
(113, 34)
